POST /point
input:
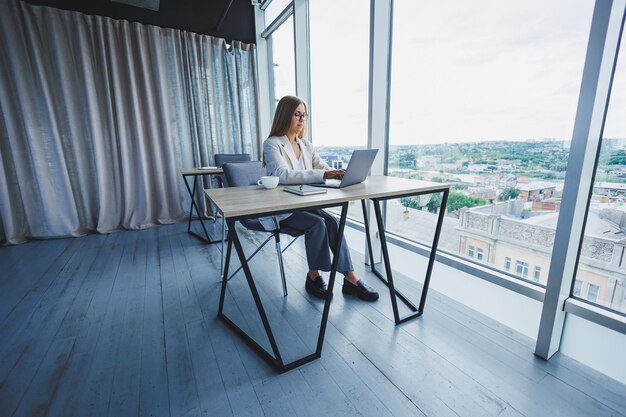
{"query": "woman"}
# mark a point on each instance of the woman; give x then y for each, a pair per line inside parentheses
(291, 158)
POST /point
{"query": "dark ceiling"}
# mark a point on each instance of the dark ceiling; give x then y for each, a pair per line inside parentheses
(228, 19)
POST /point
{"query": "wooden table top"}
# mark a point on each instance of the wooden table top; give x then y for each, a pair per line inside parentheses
(246, 201)
(201, 171)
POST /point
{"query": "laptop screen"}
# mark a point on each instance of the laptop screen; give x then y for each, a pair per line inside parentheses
(359, 166)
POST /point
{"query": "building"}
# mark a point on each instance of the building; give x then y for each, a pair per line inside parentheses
(610, 188)
(618, 173)
(482, 192)
(535, 192)
(522, 247)
(333, 161)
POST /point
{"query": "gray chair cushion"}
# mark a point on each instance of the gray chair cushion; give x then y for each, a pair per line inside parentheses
(223, 158)
(241, 174)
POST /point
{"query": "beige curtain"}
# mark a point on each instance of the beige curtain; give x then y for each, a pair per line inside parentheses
(97, 117)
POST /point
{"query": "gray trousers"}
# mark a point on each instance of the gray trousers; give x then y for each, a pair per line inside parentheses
(320, 234)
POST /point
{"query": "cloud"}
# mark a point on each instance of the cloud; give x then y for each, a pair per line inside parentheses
(462, 69)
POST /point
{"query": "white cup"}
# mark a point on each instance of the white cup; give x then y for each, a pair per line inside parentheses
(268, 182)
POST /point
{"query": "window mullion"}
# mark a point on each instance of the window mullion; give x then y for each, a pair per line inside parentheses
(590, 115)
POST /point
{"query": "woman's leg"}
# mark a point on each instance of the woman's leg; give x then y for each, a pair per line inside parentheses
(344, 263)
(317, 250)
(315, 238)
(352, 285)
(321, 232)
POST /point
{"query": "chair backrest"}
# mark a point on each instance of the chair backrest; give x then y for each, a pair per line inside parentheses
(240, 174)
(223, 158)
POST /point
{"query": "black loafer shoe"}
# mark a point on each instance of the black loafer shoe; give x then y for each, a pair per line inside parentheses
(316, 287)
(360, 289)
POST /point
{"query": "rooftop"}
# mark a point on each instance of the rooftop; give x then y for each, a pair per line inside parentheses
(534, 186)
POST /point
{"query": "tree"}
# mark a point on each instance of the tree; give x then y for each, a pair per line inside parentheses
(406, 160)
(434, 203)
(410, 202)
(618, 158)
(457, 201)
(510, 193)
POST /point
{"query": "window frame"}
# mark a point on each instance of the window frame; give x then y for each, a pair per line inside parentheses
(537, 273)
(578, 287)
(596, 292)
(521, 269)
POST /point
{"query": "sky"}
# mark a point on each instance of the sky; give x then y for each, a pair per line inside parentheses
(462, 71)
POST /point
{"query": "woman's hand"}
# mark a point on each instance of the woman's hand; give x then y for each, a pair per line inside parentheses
(334, 174)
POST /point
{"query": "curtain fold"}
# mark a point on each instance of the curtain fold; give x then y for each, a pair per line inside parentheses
(98, 116)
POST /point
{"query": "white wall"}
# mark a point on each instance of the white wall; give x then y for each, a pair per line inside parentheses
(596, 346)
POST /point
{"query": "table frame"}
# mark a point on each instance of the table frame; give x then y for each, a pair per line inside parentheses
(274, 357)
(388, 280)
(195, 173)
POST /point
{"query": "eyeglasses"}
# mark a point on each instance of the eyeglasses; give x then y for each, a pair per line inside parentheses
(300, 116)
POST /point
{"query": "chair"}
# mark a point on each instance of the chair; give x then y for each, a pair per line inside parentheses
(242, 174)
(223, 158)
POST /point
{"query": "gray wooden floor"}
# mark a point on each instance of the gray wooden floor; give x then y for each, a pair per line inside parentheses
(124, 324)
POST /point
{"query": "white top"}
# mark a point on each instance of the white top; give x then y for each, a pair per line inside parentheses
(300, 166)
(281, 161)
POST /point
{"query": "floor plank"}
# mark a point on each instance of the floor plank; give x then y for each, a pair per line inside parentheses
(77, 382)
(184, 400)
(24, 353)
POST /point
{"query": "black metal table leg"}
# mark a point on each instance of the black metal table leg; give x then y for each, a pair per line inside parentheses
(192, 194)
(393, 293)
(388, 280)
(367, 233)
(274, 358)
(433, 250)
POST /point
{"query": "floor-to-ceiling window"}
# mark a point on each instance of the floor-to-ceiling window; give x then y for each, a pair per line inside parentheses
(601, 272)
(274, 9)
(483, 96)
(281, 52)
(339, 48)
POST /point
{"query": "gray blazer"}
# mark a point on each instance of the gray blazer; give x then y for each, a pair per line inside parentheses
(280, 161)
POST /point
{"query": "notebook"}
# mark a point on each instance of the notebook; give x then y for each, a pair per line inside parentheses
(304, 189)
(360, 163)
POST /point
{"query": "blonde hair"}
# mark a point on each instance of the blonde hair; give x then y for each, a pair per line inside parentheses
(284, 114)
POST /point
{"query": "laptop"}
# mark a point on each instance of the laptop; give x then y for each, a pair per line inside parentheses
(360, 163)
